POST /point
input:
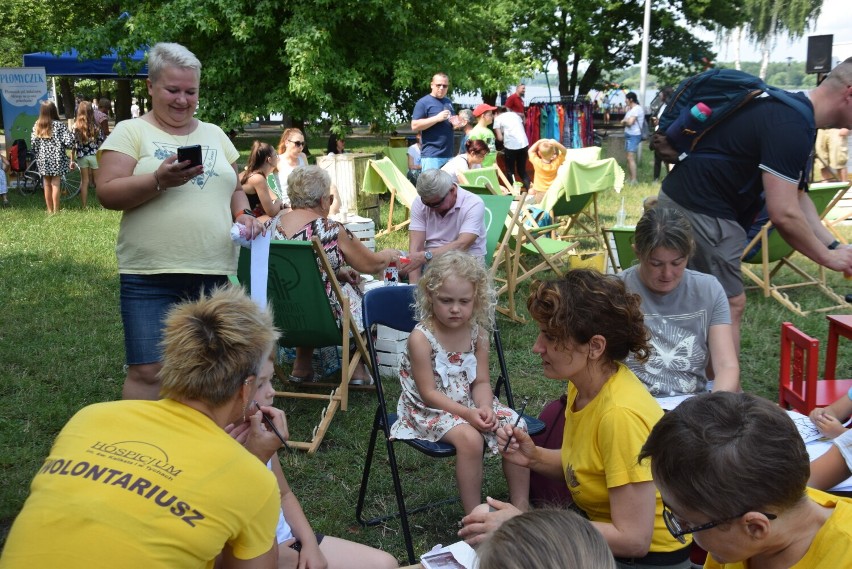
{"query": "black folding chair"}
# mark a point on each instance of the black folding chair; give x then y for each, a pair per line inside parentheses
(392, 307)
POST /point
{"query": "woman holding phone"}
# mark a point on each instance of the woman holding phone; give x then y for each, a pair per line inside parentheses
(174, 239)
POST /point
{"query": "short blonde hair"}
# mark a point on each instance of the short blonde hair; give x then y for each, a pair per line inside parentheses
(211, 345)
(465, 267)
(164, 55)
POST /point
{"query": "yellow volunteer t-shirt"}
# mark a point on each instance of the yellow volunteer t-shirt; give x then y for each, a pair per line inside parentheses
(601, 444)
(545, 172)
(185, 229)
(832, 545)
(144, 484)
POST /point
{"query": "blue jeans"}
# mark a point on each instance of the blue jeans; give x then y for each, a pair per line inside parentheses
(632, 142)
(145, 302)
(432, 163)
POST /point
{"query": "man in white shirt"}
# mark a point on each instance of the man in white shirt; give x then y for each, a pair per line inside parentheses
(509, 129)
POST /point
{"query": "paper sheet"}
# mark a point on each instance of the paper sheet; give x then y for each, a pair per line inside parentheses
(456, 556)
(260, 267)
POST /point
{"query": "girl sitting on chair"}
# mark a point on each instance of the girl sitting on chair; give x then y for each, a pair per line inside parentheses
(446, 391)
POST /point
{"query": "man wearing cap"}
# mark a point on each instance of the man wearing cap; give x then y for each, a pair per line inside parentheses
(515, 101)
(484, 114)
(435, 119)
(443, 217)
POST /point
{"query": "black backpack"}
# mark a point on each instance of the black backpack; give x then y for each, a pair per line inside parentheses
(723, 90)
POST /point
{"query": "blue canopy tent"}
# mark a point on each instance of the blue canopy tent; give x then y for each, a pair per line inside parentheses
(69, 64)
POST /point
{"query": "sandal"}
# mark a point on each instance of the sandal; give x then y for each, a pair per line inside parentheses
(302, 378)
(362, 380)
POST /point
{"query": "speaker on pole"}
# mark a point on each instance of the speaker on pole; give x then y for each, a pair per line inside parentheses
(819, 54)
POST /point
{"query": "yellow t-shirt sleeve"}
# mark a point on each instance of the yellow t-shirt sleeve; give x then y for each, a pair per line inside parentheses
(623, 432)
(259, 535)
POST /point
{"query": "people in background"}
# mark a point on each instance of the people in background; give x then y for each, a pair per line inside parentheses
(515, 101)
(546, 156)
(685, 311)
(588, 324)
(446, 390)
(262, 200)
(311, 199)
(87, 140)
(291, 155)
(484, 114)
(509, 129)
(172, 244)
(336, 144)
(633, 122)
(102, 114)
(835, 465)
(435, 118)
(540, 539)
(162, 479)
(832, 150)
(718, 460)
(444, 217)
(665, 95)
(51, 142)
(468, 121)
(415, 164)
(4, 170)
(475, 153)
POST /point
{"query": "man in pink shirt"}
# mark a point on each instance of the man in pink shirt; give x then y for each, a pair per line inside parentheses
(443, 217)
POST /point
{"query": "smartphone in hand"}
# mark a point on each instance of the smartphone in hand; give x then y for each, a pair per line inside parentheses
(191, 153)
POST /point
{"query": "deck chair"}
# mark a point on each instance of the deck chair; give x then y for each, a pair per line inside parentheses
(478, 190)
(304, 316)
(528, 251)
(775, 254)
(573, 198)
(382, 175)
(624, 256)
(399, 156)
(392, 307)
(492, 175)
(799, 387)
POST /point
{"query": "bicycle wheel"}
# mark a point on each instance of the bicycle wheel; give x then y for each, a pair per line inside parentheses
(69, 184)
(29, 183)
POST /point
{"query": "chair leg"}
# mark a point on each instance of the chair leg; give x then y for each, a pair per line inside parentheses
(365, 476)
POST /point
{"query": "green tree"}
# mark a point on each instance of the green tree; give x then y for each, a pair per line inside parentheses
(350, 60)
(767, 19)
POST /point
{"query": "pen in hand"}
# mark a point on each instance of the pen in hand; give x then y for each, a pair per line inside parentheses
(521, 412)
(269, 423)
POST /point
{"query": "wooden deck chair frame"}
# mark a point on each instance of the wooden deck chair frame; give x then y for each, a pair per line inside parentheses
(520, 239)
(772, 244)
(399, 185)
(314, 321)
(391, 307)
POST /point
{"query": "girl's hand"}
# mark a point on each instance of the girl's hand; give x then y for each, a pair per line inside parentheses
(521, 448)
(474, 417)
(488, 416)
(312, 558)
(348, 275)
(828, 424)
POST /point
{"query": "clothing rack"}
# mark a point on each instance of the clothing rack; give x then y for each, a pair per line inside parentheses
(565, 119)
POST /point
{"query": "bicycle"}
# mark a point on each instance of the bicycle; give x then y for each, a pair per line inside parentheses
(30, 181)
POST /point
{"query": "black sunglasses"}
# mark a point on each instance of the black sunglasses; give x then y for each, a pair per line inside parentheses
(677, 531)
(440, 202)
(299, 143)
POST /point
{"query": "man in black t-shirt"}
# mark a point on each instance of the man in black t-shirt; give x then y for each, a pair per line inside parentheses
(761, 155)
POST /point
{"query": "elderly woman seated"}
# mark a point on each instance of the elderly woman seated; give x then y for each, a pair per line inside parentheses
(686, 311)
(309, 189)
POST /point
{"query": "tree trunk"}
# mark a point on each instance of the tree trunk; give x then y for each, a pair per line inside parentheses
(489, 99)
(738, 42)
(562, 76)
(67, 97)
(121, 105)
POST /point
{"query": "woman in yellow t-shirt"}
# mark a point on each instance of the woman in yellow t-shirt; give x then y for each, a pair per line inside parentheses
(588, 325)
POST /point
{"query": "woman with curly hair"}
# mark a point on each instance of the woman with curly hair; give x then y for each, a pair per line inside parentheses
(588, 324)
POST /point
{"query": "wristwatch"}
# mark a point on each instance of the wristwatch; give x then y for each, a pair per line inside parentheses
(427, 255)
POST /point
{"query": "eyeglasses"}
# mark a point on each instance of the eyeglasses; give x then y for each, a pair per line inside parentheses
(441, 201)
(299, 143)
(677, 530)
(440, 85)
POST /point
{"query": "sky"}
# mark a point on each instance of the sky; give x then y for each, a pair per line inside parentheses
(835, 18)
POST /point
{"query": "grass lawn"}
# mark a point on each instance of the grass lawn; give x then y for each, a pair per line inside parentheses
(61, 347)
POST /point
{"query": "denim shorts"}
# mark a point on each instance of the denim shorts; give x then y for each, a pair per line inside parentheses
(432, 163)
(632, 142)
(145, 301)
(90, 161)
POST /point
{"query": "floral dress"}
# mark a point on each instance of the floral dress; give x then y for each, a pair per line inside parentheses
(91, 147)
(50, 152)
(328, 232)
(454, 372)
